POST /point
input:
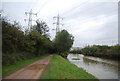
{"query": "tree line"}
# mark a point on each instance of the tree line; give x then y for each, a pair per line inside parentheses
(111, 52)
(18, 45)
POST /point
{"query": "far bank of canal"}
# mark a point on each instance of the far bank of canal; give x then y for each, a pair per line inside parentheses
(99, 67)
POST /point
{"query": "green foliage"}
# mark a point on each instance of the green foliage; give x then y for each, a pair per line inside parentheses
(64, 55)
(14, 41)
(12, 38)
(102, 51)
(41, 43)
(12, 58)
(63, 41)
(59, 68)
(34, 43)
(76, 51)
(42, 28)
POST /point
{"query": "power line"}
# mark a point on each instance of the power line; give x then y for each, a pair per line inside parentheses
(58, 22)
(42, 5)
(30, 19)
(81, 5)
(77, 6)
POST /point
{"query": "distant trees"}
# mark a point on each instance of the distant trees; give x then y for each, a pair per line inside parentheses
(63, 41)
(76, 51)
(100, 51)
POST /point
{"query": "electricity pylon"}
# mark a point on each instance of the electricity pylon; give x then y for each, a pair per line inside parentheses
(30, 19)
(58, 23)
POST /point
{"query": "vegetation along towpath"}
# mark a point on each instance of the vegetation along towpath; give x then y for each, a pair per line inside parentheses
(32, 71)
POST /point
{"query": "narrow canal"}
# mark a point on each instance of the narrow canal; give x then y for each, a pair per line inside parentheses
(99, 67)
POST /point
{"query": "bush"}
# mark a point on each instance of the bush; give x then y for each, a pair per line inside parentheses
(12, 58)
(64, 55)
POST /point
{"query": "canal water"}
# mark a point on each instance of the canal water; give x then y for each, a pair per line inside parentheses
(101, 68)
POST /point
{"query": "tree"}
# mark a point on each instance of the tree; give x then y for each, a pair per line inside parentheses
(12, 38)
(63, 41)
(42, 28)
(17, 46)
(42, 44)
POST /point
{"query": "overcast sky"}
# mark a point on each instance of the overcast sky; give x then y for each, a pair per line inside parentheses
(89, 21)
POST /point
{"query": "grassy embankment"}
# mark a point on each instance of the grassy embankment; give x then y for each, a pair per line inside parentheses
(8, 69)
(59, 68)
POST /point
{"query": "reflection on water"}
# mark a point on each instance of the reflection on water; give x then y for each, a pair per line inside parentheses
(99, 67)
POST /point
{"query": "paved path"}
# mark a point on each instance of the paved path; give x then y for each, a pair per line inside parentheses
(32, 71)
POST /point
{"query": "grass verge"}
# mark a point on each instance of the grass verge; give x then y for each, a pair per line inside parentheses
(8, 69)
(59, 68)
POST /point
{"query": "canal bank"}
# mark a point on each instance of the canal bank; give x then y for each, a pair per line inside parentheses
(99, 67)
(60, 68)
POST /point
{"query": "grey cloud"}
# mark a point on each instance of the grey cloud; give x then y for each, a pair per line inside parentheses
(78, 20)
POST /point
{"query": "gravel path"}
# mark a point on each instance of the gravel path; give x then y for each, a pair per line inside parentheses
(32, 71)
